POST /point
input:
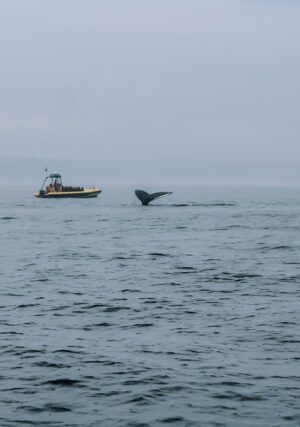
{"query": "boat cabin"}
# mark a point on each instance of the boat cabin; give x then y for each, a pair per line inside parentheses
(55, 184)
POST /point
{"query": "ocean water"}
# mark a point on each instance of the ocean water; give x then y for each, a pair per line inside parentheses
(182, 313)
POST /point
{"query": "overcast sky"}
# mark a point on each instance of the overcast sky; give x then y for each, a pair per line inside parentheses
(214, 80)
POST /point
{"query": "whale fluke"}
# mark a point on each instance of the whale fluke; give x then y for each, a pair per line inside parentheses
(146, 198)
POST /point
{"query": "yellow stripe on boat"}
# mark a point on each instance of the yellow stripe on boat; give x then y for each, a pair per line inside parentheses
(86, 193)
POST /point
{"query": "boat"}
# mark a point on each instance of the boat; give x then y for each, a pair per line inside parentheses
(56, 190)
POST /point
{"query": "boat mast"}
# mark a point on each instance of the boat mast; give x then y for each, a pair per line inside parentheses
(46, 170)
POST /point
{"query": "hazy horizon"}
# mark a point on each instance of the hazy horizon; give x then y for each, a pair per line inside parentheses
(148, 173)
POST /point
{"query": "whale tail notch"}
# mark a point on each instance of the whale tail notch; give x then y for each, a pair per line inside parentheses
(146, 198)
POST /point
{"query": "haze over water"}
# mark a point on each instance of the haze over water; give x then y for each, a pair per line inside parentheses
(182, 313)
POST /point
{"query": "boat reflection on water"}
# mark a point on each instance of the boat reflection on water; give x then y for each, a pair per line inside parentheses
(55, 189)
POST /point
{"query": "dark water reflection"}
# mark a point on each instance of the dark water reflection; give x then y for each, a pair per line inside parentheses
(185, 313)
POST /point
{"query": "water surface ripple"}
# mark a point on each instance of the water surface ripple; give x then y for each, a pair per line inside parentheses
(182, 313)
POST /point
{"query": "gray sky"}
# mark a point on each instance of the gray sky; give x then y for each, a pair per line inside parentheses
(214, 80)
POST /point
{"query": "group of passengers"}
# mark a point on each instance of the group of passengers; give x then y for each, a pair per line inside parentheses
(68, 189)
(58, 187)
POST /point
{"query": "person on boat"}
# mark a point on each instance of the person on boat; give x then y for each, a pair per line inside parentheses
(57, 186)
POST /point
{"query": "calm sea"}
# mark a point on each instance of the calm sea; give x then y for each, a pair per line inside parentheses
(183, 313)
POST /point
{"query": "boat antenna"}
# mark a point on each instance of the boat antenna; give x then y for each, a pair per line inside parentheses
(46, 170)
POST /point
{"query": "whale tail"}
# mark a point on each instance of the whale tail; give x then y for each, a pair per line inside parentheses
(146, 198)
